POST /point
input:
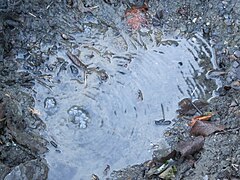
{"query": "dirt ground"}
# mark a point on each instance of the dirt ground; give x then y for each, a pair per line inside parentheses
(27, 25)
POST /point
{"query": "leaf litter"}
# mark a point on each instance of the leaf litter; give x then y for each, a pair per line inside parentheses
(201, 128)
(187, 148)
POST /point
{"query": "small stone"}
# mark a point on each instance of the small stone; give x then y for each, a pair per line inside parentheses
(235, 64)
(236, 85)
(167, 134)
(194, 20)
(205, 177)
(64, 36)
(74, 70)
(237, 54)
(233, 104)
(183, 28)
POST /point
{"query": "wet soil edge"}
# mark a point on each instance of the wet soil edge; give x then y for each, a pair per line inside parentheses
(220, 25)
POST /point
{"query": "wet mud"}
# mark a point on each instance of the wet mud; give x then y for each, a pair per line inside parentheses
(88, 88)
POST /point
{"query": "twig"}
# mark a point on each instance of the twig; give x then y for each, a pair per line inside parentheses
(228, 130)
(201, 113)
(32, 15)
(163, 114)
(76, 61)
(48, 6)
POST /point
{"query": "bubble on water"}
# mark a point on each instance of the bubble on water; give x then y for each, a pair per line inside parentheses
(50, 102)
(78, 116)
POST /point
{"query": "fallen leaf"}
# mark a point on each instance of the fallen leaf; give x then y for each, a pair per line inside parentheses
(136, 16)
(201, 128)
(200, 118)
(186, 148)
(189, 107)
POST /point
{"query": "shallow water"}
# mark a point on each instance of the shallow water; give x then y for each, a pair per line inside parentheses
(97, 122)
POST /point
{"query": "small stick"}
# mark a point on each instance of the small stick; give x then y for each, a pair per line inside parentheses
(76, 61)
(163, 114)
(32, 15)
(201, 113)
(48, 6)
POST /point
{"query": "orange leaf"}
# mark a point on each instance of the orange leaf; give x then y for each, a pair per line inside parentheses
(200, 118)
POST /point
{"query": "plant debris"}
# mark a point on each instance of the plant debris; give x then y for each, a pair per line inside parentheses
(189, 108)
(136, 17)
(186, 148)
(200, 118)
(201, 128)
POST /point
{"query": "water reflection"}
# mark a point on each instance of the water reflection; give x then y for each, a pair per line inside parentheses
(115, 118)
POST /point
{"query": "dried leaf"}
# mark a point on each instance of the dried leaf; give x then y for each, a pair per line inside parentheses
(136, 17)
(200, 118)
(189, 108)
(187, 148)
(204, 128)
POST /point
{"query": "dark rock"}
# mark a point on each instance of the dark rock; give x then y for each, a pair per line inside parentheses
(4, 170)
(14, 155)
(35, 169)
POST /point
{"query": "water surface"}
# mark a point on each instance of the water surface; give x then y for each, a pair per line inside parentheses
(97, 122)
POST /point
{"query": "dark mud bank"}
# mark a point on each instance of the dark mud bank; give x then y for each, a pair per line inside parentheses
(35, 37)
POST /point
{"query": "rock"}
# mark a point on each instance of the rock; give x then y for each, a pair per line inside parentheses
(4, 170)
(13, 155)
(35, 169)
(236, 85)
(33, 142)
(237, 53)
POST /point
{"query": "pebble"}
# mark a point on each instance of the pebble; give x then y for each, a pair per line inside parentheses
(235, 64)
(237, 54)
(183, 28)
(74, 69)
(236, 85)
(64, 36)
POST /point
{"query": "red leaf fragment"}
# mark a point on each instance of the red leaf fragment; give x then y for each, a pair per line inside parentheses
(136, 17)
(201, 128)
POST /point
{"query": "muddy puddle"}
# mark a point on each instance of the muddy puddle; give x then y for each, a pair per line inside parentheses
(104, 114)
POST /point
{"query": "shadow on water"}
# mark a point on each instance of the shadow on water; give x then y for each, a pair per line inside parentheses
(93, 121)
